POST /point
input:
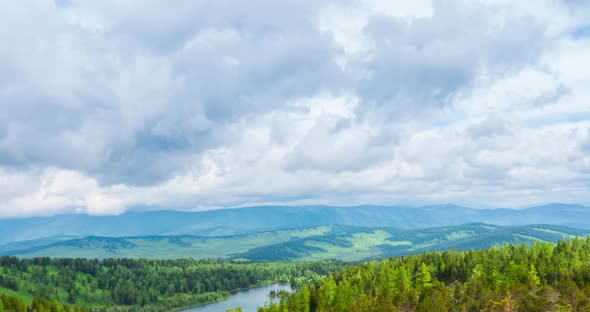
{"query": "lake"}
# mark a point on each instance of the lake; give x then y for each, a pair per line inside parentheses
(248, 299)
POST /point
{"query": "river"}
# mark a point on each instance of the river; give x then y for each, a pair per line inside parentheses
(249, 299)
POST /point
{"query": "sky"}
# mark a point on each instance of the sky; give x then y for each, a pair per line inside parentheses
(109, 106)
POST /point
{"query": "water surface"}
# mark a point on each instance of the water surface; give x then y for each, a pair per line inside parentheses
(249, 300)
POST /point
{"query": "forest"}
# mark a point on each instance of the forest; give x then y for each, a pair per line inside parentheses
(145, 285)
(540, 277)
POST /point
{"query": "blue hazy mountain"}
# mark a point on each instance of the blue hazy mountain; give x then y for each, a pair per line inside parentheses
(346, 243)
(250, 219)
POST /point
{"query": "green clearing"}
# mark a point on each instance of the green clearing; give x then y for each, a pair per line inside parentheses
(458, 235)
(555, 232)
(364, 245)
(528, 237)
(28, 299)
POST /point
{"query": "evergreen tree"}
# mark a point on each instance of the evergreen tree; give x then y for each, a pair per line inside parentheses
(423, 277)
(532, 276)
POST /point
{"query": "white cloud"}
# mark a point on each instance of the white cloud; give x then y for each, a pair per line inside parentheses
(107, 105)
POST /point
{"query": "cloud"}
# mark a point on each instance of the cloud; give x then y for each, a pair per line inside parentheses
(109, 105)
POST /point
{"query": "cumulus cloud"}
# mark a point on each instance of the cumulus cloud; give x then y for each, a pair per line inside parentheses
(108, 105)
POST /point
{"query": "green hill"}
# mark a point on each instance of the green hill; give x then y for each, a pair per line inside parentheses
(345, 243)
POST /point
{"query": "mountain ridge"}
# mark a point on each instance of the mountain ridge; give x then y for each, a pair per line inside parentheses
(251, 219)
(312, 243)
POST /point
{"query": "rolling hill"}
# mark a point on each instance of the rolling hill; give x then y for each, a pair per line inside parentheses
(161, 247)
(313, 243)
(263, 218)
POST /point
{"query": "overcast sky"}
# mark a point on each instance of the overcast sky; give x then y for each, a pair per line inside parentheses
(114, 105)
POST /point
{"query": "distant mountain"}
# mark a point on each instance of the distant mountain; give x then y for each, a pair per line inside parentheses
(31, 244)
(245, 220)
(324, 242)
(153, 246)
(365, 244)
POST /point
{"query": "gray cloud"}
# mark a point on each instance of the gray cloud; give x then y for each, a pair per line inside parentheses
(202, 103)
(419, 65)
(490, 127)
(586, 142)
(165, 81)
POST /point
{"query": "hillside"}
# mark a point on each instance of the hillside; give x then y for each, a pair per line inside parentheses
(541, 277)
(160, 247)
(128, 285)
(253, 219)
(361, 244)
(313, 243)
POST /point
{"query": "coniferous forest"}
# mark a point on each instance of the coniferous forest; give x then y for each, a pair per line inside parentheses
(147, 285)
(541, 277)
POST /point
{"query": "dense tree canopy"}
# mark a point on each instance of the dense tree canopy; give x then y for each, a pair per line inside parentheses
(151, 284)
(13, 304)
(541, 277)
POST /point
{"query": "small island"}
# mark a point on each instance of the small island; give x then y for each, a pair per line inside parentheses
(281, 293)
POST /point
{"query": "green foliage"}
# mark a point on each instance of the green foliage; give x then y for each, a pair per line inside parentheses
(14, 304)
(149, 285)
(540, 277)
(423, 277)
(532, 276)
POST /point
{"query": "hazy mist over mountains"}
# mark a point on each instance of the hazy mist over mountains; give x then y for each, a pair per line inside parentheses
(249, 219)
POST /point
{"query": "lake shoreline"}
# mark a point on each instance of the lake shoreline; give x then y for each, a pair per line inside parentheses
(258, 298)
(231, 293)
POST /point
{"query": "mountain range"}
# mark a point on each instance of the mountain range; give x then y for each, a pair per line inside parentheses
(264, 218)
(312, 243)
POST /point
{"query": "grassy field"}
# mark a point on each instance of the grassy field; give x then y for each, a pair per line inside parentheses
(363, 245)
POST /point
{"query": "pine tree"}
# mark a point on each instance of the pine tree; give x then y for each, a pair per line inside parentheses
(532, 276)
(423, 277)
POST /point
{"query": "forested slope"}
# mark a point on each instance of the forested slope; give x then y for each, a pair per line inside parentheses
(151, 285)
(541, 277)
